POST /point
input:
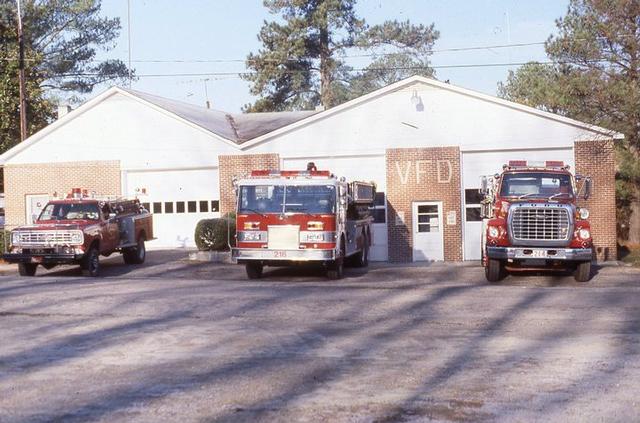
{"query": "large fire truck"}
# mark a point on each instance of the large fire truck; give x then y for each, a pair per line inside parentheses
(288, 217)
(532, 221)
(77, 230)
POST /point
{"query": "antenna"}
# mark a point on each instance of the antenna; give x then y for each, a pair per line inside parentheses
(21, 78)
(129, 38)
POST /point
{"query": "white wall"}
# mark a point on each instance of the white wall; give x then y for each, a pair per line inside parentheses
(122, 128)
(445, 118)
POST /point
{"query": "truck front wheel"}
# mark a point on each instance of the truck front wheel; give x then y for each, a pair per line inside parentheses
(583, 271)
(27, 269)
(254, 270)
(91, 263)
(494, 271)
(336, 268)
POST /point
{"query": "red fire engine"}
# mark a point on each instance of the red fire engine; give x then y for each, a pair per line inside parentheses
(532, 221)
(287, 217)
(78, 229)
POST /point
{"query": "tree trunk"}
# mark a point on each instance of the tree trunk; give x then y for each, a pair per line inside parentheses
(634, 221)
(326, 95)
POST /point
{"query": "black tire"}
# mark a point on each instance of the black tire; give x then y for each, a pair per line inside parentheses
(254, 270)
(494, 271)
(91, 263)
(336, 268)
(362, 258)
(583, 271)
(137, 254)
(27, 269)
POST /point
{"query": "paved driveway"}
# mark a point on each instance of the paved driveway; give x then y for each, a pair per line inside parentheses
(178, 341)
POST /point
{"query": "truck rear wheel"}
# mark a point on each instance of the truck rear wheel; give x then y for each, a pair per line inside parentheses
(494, 271)
(361, 259)
(27, 269)
(254, 270)
(336, 268)
(137, 254)
(583, 271)
(91, 263)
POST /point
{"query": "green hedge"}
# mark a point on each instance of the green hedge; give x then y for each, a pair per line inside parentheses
(5, 240)
(213, 234)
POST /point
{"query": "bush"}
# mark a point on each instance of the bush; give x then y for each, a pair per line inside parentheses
(5, 240)
(213, 234)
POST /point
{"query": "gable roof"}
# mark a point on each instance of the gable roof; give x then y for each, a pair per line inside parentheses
(417, 79)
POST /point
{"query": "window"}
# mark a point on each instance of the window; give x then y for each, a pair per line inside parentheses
(192, 207)
(157, 207)
(428, 220)
(472, 200)
(204, 206)
(146, 206)
(215, 205)
(536, 185)
(168, 207)
(179, 206)
(379, 209)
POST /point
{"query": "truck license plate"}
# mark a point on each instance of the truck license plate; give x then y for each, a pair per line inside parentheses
(36, 259)
(279, 254)
(539, 253)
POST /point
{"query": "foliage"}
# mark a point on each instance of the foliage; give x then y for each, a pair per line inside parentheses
(302, 63)
(213, 234)
(62, 38)
(5, 240)
(595, 78)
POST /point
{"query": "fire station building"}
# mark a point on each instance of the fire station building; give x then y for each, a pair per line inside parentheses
(425, 143)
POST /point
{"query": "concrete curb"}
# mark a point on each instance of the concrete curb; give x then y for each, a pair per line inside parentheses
(211, 256)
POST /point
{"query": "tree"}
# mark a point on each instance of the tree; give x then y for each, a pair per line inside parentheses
(61, 38)
(596, 78)
(302, 62)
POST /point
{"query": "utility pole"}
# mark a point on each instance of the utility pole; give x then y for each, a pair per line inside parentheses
(23, 99)
(129, 39)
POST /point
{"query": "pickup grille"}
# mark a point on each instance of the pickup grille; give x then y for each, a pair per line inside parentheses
(45, 237)
(540, 224)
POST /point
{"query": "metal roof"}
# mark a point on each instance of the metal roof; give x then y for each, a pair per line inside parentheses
(236, 127)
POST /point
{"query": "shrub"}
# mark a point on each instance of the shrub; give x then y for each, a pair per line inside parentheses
(5, 240)
(213, 234)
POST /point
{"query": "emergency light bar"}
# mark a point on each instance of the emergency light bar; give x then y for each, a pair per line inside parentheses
(290, 174)
(548, 164)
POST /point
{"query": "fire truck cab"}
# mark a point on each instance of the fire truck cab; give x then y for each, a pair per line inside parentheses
(288, 217)
(532, 221)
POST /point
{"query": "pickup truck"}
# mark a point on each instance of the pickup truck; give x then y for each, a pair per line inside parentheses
(78, 230)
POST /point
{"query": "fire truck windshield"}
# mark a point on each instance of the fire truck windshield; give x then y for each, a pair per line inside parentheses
(536, 185)
(89, 211)
(311, 199)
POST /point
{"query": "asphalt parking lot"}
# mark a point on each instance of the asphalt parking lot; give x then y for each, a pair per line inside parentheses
(174, 340)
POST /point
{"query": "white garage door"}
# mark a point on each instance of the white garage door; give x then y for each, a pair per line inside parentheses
(477, 164)
(178, 199)
(357, 168)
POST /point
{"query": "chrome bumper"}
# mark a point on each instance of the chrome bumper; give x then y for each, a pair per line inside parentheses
(528, 253)
(264, 254)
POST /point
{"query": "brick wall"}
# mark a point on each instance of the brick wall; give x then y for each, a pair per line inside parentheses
(103, 177)
(597, 159)
(423, 174)
(238, 166)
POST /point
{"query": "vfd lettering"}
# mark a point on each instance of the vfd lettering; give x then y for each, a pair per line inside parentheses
(421, 167)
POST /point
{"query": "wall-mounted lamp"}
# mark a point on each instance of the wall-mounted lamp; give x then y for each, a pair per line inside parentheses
(416, 100)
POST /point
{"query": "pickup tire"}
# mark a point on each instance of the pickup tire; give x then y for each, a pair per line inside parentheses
(27, 269)
(494, 271)
(137, 254)
(90, 264)
(582, 272)
(254, 270)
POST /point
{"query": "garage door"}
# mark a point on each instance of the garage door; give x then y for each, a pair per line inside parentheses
(178, 199)
(477, 164)
(357, 168)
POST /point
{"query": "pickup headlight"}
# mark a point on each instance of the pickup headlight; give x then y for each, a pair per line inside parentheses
(583, 213)
(15, 238)
(493, 232)
(77, 237)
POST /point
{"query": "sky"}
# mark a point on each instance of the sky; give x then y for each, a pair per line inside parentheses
(213, 37)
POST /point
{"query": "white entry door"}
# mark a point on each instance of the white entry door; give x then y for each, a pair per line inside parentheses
(427, 232)
(35, 204)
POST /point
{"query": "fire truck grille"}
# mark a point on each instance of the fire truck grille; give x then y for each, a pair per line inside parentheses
(45, 238)
(540, 224)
